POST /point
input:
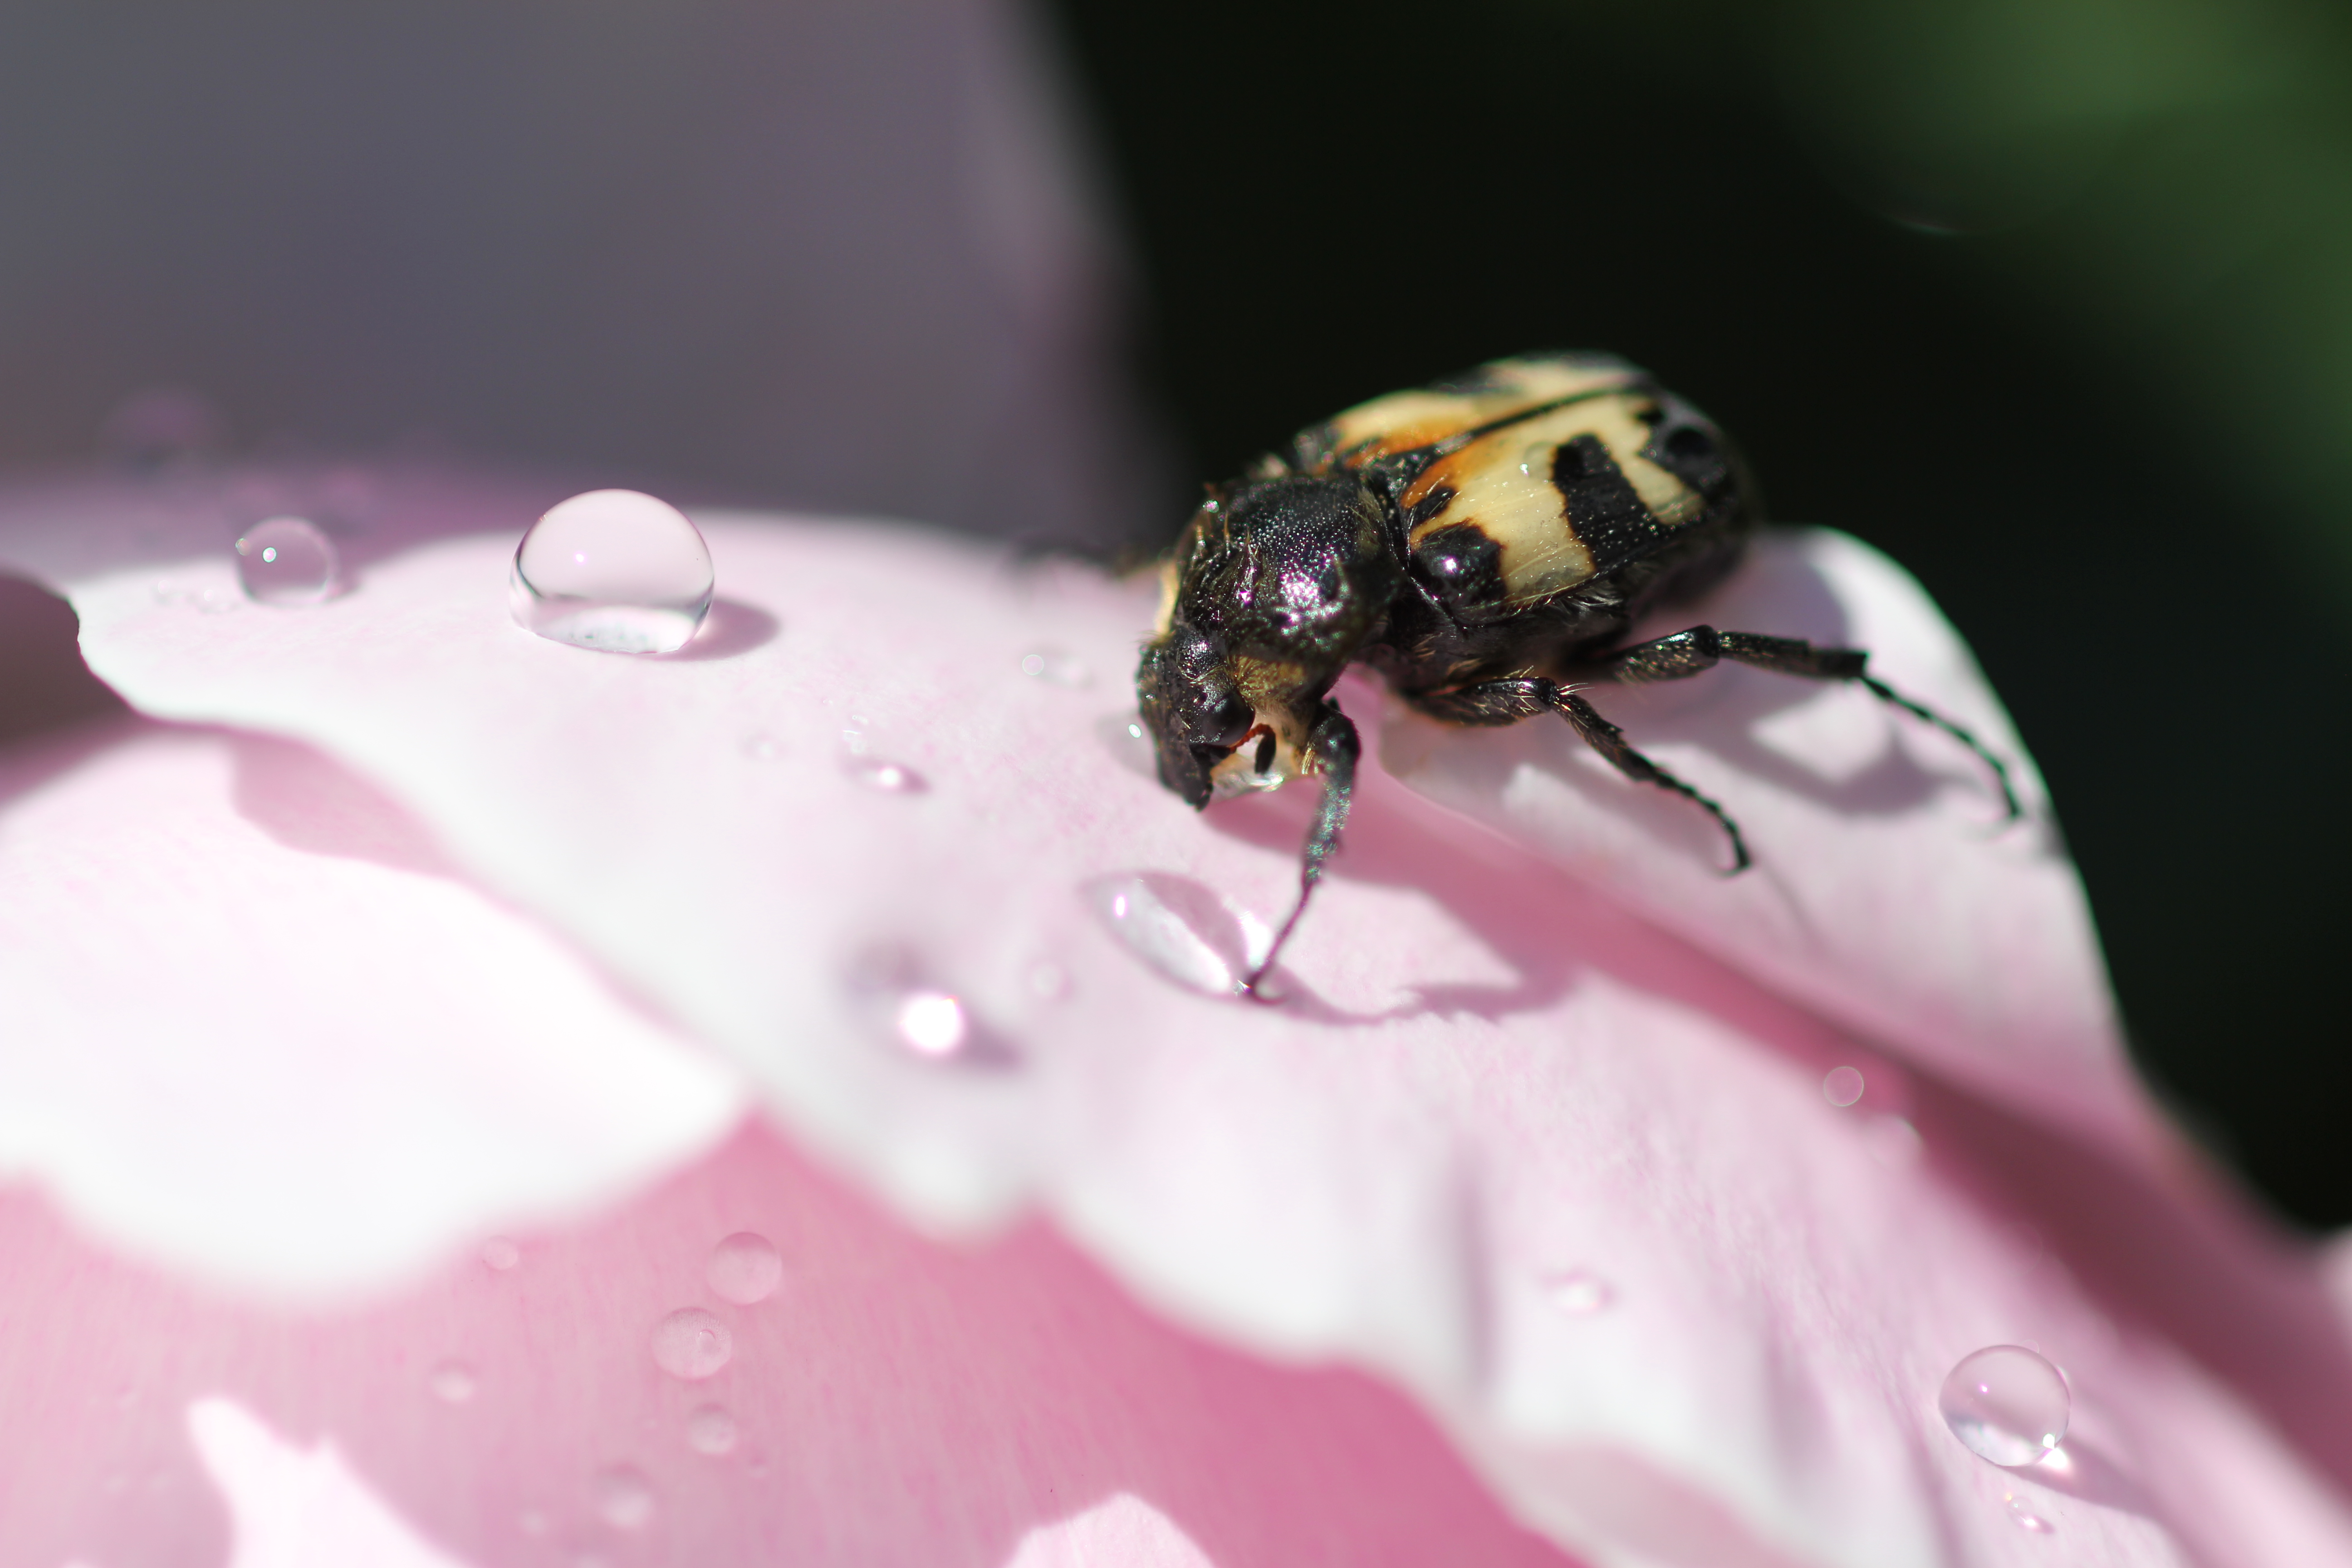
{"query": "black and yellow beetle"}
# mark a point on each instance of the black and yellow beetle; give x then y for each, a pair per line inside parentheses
(1482, 542)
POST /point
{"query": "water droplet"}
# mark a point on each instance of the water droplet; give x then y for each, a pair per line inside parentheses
(615, 571)
(1134, 731)
(1182, 930)
(761, 748)
(286, 561)
(502, 1253)
(2019, 1510)
(745, 1268)
(891, 778)
(451, 1382)
(1054, 667)
(2006, 1404)
(1579, 1292)
(625, 1499)
(690, 1344)
(710, 1430)
(931, 1023)
(1842, 1086)
(1048, 981)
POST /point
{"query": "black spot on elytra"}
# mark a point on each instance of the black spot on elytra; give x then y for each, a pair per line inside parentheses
(1461, 566)
(1607, 515)
(1430, 507)
(1693, 455)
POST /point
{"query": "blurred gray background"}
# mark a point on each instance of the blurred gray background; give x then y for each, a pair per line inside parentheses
(2050, 298)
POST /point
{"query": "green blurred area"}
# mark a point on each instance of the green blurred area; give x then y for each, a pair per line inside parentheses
(2170, 179)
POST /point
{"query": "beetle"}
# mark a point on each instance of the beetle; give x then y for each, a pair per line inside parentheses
(1485, 543)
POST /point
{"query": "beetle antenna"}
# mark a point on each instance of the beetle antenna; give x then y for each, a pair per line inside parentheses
(1333, 743)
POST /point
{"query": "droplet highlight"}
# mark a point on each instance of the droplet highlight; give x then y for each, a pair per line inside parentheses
(615, 570)
(2007, 1404)
(690, 1344)
(931, 1023)
(287, 561)
(1054, 667)
(711, 1430)
(623, 1498)
(2022, 1513)
(1842, 1086)
(885, 777)
(452, 1383)
(1578, 1293)
(1182, 930)
(745, 1268)
(502, 1253)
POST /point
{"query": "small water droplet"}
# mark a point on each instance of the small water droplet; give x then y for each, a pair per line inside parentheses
(502, 1253)
(690, 1344)
(1182, 930)
(889, 778)
(286, 561)
(615, 571)
(931, 1023)
(2006, 1404)
(1580, 1293)
(1134, 731)
(625, 1499)
(745, 1268)
(761, 748)
(2019, 1510)
(451, 1382)
(1054, 667)
(711, 1430)
(1842, 1086)
(1048, 981)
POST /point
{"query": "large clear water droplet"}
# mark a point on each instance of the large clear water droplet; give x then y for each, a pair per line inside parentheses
(711, 1430)
(745, 1268)
(690, 1344)
(452, 1383)
(625, 1499)
(287, 561)
(931, 1023)
(615, 571)
(1182, 930)
(2006, 1404)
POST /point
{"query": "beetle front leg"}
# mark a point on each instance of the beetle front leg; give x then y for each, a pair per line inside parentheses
(1333, 745)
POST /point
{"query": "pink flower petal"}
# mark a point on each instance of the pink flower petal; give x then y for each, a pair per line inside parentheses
(1572, 1180)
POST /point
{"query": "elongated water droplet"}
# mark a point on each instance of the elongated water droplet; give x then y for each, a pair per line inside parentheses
(615, 571)
(931, 1023)
(502, 1253)
(1054, 667)
(286, 561)
(452, 1383)
(711, 1430)
(1842, 1086)
(744, 1268)
(884, 776)
(2021, 1511)
(1578, 1293)
(625, 1499)
(690, 1344)
(1182, 930)
(2006, 1404)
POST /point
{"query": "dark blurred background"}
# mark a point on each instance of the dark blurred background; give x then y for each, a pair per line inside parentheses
(2051, 299)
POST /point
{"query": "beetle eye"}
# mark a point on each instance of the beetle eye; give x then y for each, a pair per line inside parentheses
(1231, 721)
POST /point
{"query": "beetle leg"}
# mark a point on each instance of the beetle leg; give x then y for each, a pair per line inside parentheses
(1508, 701)
(1333, 745)
(1691, 652)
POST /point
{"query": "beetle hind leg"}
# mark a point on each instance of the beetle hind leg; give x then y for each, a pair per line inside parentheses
(1699, 648)
(1507, 702)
